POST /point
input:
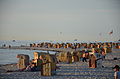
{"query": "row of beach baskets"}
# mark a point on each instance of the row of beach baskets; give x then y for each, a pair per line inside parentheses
(48, 64)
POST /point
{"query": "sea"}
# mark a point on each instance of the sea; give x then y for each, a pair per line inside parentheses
(8, 56)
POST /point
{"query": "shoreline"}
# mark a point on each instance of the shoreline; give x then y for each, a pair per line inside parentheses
(38, 48)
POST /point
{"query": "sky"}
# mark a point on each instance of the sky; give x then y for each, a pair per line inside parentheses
(61, 20)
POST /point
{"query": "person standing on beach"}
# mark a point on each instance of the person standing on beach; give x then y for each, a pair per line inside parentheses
(84, 56)
(103, 54)
(97, 54)
(117, 72)
(41, 67)
(92, 61)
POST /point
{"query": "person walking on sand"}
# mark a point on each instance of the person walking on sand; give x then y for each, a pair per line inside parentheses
(117, 72)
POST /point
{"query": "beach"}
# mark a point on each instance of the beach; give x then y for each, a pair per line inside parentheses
(59, 39)
(76, 70)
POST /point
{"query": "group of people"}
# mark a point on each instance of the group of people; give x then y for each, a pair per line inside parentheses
(32, 66)
(96, 60)
(93, 59)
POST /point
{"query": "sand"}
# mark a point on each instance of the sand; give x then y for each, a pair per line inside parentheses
(77, 70)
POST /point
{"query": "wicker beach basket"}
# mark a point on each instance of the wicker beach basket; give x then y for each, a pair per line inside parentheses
(23, 61)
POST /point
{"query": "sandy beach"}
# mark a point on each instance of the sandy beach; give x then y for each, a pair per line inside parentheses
(77, 70)
(59, 39)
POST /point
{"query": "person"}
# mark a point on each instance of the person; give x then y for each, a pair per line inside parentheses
(100, 60)
(84, 57)
(99, 63)
(92, 61)
(97, 54)
(28, 68)
(41, 67)
(9, 46)
(31, 67)
(103, 54)
(117, 72)
(34, 67)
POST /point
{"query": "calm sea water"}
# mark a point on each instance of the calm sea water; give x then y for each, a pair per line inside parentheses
(8, 56)
(18, 42)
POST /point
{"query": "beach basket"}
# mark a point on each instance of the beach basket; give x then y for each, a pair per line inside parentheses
(37, 54)
(49, 45)
(65, 57)
(91, 45)
(105, 49)
(23, 61)
(37, 60)
(93, 50)
(48, 65)
(109, 50)
(75, 56)
(47, 69)
(97, 50)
